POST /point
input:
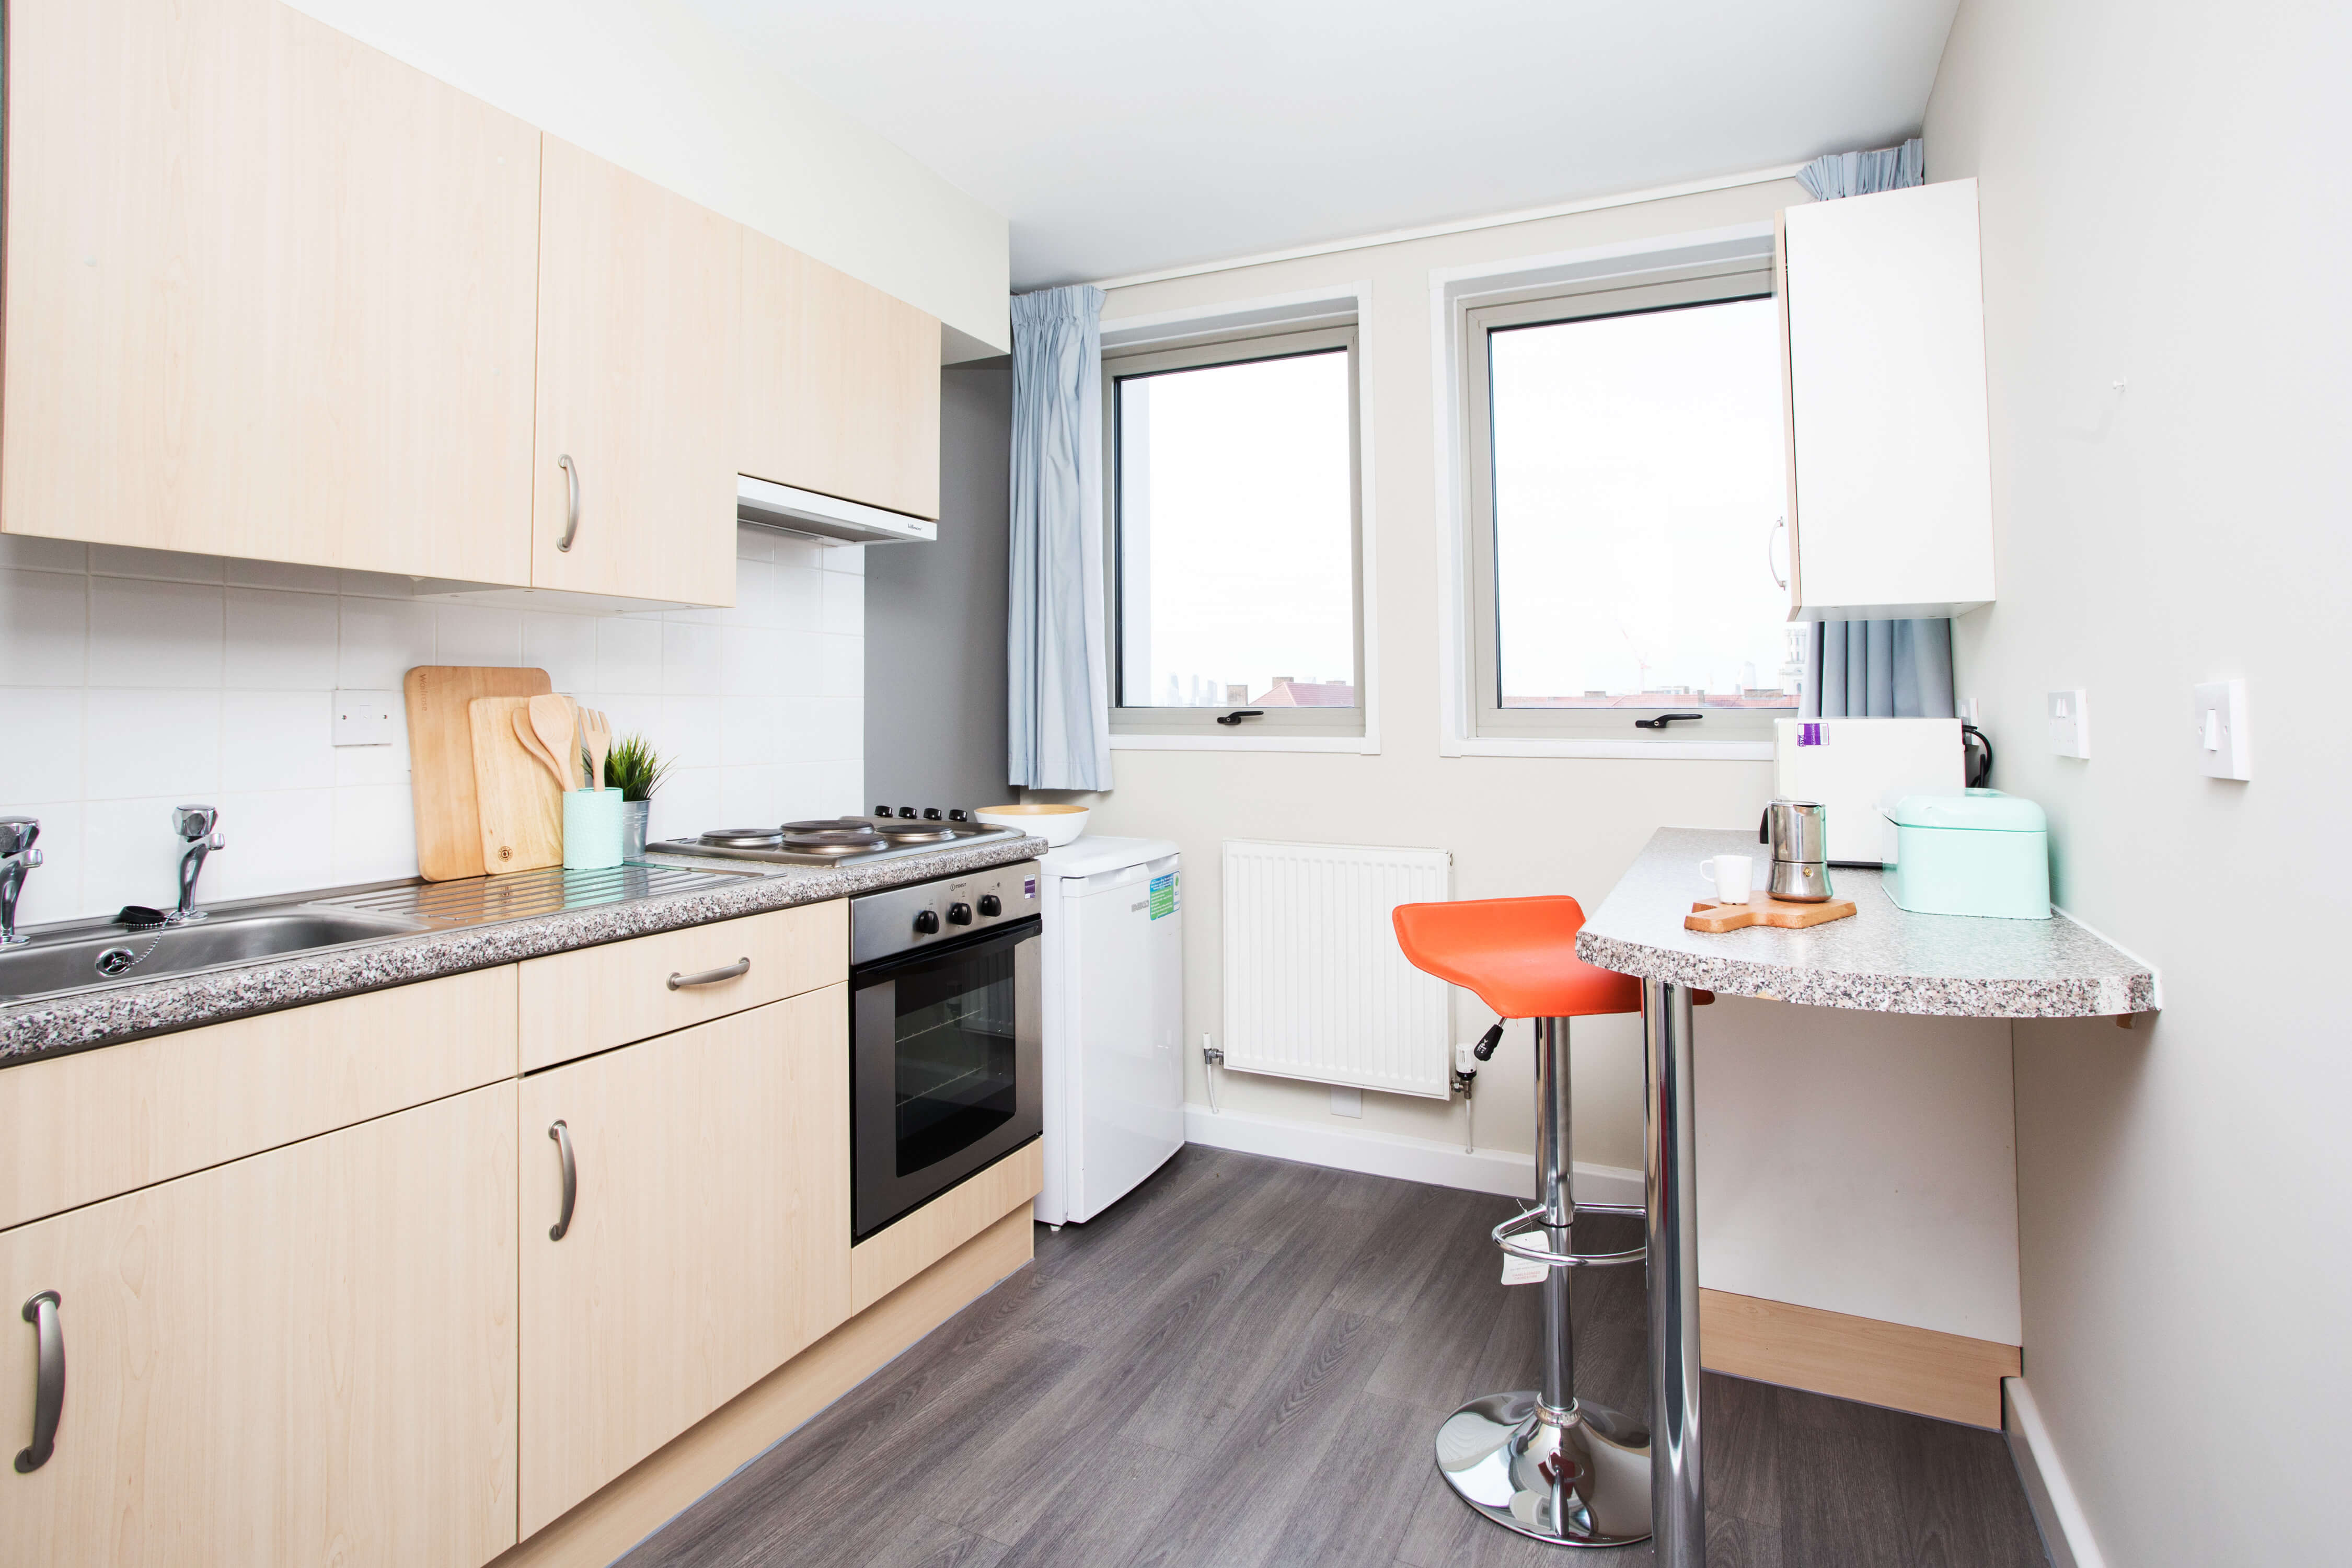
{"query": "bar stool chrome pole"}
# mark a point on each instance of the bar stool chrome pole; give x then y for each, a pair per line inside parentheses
(1543, 1462)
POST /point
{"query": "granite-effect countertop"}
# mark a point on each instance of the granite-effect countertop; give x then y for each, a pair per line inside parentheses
(53, 1026)
(1882, 959)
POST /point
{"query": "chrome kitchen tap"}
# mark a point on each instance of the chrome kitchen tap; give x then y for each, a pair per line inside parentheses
(196, 825)
(17, 857)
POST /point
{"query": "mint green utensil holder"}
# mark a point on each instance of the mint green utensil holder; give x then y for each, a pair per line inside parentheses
(592, 829)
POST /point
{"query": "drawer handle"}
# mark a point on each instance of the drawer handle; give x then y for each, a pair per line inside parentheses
(49, 1387)
(735, 971)
(563, 1136)
(571, 500)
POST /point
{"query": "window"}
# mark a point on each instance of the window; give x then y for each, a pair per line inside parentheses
(1236, 552)
(1627, 480)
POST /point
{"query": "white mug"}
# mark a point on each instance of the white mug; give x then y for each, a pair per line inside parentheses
(1732, 875)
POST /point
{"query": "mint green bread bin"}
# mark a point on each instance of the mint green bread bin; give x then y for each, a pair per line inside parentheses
(1980, 853)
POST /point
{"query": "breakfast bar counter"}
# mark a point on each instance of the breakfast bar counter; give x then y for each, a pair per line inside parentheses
(1881, 959)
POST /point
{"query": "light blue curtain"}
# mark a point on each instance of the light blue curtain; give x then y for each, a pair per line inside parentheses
(1875, 669)
(1058, 704)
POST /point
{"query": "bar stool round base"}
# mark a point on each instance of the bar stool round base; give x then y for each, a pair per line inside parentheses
(1585, 1481)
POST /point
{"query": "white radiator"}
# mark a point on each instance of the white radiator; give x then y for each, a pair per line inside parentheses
(1315, 986)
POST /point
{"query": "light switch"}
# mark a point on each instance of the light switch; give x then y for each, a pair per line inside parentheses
(2221, 714)
(2069, 723)
(366, 718)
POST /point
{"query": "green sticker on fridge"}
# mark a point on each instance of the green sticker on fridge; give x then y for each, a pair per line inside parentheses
(1163, 895)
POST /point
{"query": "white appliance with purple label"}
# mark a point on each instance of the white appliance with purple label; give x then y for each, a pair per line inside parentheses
(1114, 1020)
(1855, 767)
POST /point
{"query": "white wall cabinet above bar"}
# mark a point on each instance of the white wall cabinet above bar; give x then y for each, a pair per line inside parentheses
(1890, 477)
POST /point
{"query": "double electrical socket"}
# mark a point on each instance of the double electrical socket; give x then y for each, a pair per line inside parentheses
(2069, 723)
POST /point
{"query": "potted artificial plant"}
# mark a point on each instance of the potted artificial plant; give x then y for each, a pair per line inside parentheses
(638, 771)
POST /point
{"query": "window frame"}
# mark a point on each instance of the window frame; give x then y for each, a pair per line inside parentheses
(1197, 352)
(1666, 289)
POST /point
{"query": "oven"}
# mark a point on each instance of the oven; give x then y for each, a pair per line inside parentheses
(945, 1034)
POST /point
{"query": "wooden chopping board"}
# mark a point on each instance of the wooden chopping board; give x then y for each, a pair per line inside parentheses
(441, 759)
(520, 802)
(1766, 910)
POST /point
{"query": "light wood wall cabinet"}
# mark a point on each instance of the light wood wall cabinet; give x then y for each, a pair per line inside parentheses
(840, 384)
(1890, 476)
(633, 483)
(706, 1240)
(303, 1357)
(269, 294)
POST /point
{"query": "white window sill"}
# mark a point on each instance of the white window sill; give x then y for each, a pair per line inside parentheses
(1644, 751)
(1361, 746)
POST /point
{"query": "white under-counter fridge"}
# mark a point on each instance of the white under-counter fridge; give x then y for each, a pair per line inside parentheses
(1114, 1016)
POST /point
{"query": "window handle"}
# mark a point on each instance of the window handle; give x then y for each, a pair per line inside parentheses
(1778, 524)
(1663, 719)
(1238, 714)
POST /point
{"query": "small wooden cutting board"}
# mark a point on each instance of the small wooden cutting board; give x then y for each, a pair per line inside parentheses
(1766, 910)
(521, 804)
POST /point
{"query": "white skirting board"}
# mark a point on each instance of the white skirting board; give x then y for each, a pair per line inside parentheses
(1501, 1170)
(2065, 1533)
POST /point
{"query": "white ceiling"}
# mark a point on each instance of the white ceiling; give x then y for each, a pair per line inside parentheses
(1121, 137)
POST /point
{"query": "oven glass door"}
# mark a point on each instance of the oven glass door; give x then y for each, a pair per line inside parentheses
(947, 1041)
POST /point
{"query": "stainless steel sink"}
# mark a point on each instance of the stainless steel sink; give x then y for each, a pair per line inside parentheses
(80, 957)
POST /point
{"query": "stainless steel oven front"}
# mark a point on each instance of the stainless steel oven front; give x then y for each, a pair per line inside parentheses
(946, 1036)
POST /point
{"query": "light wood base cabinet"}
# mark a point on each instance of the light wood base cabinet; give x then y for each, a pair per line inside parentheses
(708, 1241)
(269, 294)
(303, 1357)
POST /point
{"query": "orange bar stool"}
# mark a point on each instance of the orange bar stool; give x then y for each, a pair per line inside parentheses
(1540, 1462)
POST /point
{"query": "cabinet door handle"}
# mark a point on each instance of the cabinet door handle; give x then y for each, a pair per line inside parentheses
(571, 500)
(734, 970)
(1778, 580)
(50, 1384)
(563, 1136)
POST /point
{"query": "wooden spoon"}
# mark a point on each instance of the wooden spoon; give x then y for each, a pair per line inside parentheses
(553, 718)
(599, 731)
(530, 739)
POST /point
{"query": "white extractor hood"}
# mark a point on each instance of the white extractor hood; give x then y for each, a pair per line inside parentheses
(825, 518)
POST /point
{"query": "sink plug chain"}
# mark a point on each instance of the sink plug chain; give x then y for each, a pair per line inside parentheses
(117, 961)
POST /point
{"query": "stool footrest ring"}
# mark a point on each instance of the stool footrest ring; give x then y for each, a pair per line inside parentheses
(1509, 1235)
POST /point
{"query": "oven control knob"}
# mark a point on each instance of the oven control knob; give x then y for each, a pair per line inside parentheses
(926, 922)
(991, 905)
(959, 914)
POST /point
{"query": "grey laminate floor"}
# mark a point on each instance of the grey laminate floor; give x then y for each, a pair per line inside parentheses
(1244, 1363)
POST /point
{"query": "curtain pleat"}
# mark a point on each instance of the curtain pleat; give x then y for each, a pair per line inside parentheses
(1057, 707)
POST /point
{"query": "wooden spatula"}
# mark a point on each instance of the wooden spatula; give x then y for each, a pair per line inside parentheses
(531, 742)
(599, 733)
(553, 720)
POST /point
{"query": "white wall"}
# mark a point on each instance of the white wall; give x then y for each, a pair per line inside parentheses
(2162, 189)
(650, 86)
(1822, 1231)
(135, 680)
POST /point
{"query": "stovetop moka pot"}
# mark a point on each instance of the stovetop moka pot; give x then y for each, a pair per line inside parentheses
(1799, 832)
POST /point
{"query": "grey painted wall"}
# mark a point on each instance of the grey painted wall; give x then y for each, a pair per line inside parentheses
(935, 616)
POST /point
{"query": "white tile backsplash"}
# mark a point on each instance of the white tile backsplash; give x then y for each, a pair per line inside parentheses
(135, 680)
(145, 632)
(44, 628)
(280, 640)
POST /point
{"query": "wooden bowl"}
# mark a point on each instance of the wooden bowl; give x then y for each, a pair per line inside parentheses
(1056, 825)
